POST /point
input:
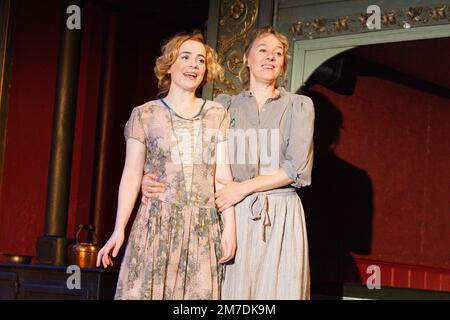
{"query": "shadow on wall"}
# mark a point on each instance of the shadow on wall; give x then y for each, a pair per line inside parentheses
(338, 206)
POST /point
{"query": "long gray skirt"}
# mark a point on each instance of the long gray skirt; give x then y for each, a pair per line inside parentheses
(271, 260)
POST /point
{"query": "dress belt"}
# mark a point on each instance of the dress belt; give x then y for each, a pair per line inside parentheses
(258, 206)
(212, 210)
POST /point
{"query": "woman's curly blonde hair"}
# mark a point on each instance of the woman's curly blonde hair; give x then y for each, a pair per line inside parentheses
(254, 35)
(169, 54)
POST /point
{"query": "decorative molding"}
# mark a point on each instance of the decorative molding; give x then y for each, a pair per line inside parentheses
(403, 18)
(236, 19)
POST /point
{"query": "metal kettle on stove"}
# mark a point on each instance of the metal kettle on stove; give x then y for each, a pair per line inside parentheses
(83, 254)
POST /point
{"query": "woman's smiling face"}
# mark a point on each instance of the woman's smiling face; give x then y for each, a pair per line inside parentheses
(189, 68)
(266, 58)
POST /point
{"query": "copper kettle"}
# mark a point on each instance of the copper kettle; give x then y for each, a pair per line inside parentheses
(83, 254)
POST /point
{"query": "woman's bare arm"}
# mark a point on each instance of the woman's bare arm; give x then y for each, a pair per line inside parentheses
(223, 171)
(130, 184)
(234, 192)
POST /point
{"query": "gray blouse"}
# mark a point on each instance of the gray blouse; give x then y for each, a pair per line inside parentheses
(279, 136)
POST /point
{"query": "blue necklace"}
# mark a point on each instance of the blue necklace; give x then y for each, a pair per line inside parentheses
(168, 107)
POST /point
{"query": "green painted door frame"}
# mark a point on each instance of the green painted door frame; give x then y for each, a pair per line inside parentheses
(310, 54)
(312, 47)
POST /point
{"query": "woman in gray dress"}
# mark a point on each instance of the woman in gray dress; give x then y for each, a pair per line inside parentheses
(271, 154)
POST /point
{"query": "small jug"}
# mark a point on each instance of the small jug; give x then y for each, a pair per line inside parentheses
(83, 254)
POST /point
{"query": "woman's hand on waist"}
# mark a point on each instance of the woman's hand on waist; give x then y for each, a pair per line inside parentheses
(151, 187)
(232, 193)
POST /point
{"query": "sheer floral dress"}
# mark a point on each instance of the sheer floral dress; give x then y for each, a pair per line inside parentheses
(174, 245)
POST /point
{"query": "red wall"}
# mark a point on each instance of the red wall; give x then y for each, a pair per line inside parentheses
(398, 136)
(29, 125)
(88, 100)
(379, 192)
(30, 117)
(32, 90)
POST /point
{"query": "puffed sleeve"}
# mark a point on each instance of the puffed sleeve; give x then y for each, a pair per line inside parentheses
(299, 151)
(224, 125)
(134, 127)
(224, 99)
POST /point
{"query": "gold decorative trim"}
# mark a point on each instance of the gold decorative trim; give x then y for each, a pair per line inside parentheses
(390, 19)
(236, 19)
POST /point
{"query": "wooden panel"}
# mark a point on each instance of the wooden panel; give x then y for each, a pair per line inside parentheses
(432, 280)
(417, 279)
(49, 282)
(445, 282)
(8, 285)
(401, 277)
(47, 292)
(407, 276)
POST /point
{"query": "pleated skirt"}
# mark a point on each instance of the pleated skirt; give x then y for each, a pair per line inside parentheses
(172, 254)
(271, 261)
